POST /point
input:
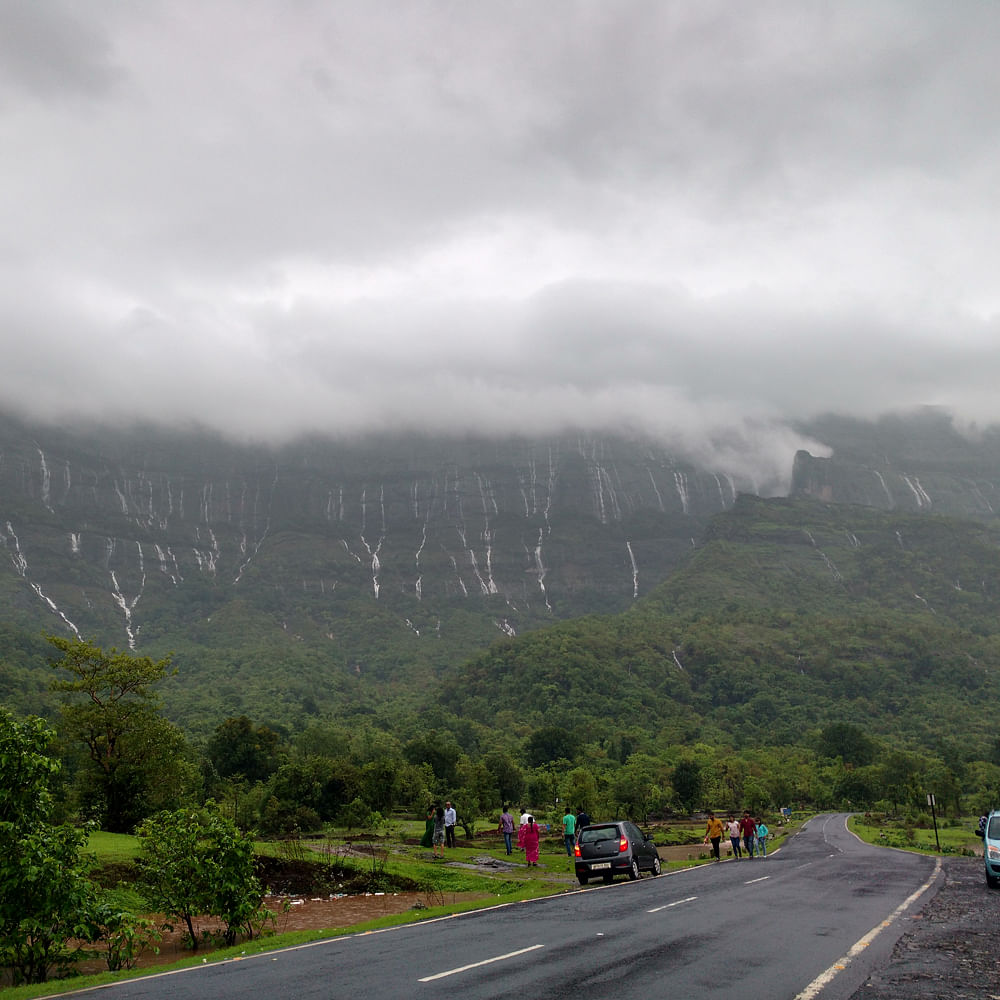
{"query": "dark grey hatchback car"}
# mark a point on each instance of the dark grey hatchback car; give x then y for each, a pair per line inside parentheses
(610, 849)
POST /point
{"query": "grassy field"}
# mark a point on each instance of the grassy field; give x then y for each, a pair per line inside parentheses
(113, 847)
(954, 836)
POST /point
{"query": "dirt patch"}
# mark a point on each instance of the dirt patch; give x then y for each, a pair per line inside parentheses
(295, 913)
(949, 949)
(294, 877)
(315, 913)
(302, 894)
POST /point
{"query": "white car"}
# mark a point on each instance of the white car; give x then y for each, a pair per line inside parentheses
(991, 849)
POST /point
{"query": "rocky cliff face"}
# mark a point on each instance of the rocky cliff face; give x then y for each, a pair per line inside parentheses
(920, 464)
(124, 536)
(325, 576)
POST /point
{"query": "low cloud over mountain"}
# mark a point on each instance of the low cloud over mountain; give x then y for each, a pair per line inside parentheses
(704, 223)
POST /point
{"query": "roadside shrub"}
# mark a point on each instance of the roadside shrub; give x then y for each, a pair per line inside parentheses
(46, 902)
(46, 899)
(196, 862)
(124, 936)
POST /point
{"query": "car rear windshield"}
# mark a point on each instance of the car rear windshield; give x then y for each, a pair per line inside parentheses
(594, 833)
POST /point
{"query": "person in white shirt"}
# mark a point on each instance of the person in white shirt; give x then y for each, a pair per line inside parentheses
(450, 819)
(733, 826)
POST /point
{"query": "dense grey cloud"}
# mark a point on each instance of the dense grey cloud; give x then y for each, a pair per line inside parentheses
(704, 221)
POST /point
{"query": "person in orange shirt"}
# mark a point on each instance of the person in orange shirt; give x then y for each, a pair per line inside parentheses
(713, 832)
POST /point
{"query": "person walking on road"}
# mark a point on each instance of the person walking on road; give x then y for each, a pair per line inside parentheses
(749, 830)
(713, 833)
(762, 832)
(733, 827)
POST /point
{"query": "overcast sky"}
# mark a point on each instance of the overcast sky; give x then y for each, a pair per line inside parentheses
(703, 219)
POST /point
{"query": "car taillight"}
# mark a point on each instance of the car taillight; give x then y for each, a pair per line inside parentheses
(623, 845)
(576, 850)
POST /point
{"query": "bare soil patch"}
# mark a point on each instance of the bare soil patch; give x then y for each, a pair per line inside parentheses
(294, 913)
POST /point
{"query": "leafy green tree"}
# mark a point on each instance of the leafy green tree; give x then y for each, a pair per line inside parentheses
(848, 742)
(542, 785)
(197, 862)
(46, 899)
(730, 774)
(756, 797)
(984, 779)
(306, 791)
(296, 797)
(112, 709)
(440, 750)
(687, 783)
(238, 747)
(382, 784)
(476, 795)
(781, 785)
(899, 778)
(857, 787)
(945, 785)
(324, 740)
(580, 789)
(25, 772)
(507, 776)
(639, 786)
(548, 744)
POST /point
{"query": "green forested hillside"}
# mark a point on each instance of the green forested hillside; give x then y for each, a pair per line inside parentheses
(792, 615)
(323, 577)
(584, 619)
(805, 653)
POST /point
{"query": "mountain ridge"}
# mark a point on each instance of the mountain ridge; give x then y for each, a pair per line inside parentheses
(332, 577)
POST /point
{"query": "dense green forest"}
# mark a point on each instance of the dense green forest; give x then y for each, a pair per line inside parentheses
(806, 654)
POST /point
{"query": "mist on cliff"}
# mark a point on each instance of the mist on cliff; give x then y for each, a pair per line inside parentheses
(699, 222)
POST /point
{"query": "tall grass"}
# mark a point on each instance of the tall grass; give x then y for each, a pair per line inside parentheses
(113, 847)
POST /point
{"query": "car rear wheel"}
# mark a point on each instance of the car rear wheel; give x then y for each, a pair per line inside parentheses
(633, 872)
(656, 866)
(583, 879)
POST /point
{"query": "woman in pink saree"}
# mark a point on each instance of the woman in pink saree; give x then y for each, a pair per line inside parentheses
(527, 837)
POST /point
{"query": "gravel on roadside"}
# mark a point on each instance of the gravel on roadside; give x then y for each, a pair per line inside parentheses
(951, 947)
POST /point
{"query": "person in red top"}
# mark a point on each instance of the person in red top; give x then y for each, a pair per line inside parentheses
(749, 830)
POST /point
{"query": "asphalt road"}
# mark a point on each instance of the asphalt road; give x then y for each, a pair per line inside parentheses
(812, 920)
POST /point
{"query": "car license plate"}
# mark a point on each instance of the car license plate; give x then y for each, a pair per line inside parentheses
(603, 864)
